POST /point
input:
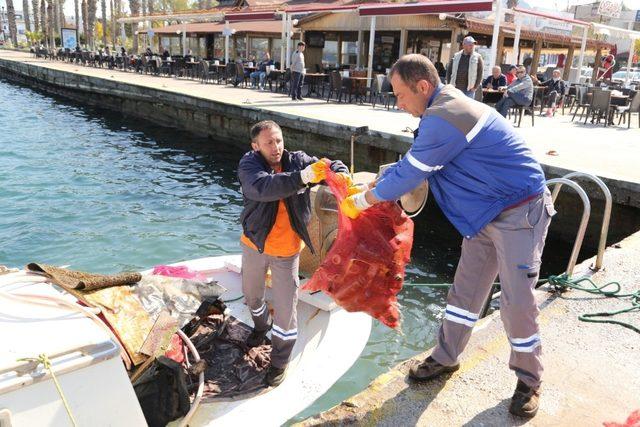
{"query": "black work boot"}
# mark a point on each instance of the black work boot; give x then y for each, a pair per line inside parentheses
(525, 400)
(275, 376)
(257, 337)
(429, 369)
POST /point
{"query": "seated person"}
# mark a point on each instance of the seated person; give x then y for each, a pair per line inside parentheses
(520, 92)
(261, 71)
(511, 74)
(554, 89)
(148, 52)
(495, 80)
(165, 54)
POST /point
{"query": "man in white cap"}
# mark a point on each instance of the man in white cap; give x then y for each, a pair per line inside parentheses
(465, 68)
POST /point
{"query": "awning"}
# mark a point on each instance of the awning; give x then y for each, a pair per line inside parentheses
(319, 7)
(426, 7)
(249, 16)
(485, 26)
(262, 27)
(550, 16)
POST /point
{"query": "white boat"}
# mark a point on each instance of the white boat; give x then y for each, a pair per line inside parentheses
(85, 359)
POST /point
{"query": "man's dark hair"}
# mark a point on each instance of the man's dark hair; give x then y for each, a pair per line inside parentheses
(511, 67)
(413, 68)
(260, 126)
(302, 44)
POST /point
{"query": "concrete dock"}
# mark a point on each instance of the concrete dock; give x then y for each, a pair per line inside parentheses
(592, 371)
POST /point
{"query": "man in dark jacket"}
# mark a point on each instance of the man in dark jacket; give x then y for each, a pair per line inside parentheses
(277, 209)
(496, 80)
(554, 89)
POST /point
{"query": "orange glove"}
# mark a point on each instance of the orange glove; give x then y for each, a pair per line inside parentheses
(314, 173)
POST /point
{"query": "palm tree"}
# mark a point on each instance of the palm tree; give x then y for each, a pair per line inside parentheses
(36, 20)
(61, 20)
(85, 19)
(117, 7)
(43, 18)
(134, 5)
(11, 16)
(113, 23)
(103, 9)
(51, 23)
(25, 14)
(76, 11)
(92, 8)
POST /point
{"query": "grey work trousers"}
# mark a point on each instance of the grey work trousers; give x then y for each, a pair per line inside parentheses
(285, 283)
(511, 247)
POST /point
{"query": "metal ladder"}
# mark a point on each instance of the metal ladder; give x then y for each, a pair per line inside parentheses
(569, 179)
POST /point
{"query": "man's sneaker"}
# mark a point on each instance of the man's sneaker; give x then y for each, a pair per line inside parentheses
(524, 402)
(429, 369)
(300, 98)
(275, 376)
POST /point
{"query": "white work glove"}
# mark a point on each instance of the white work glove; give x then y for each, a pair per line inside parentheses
(314, 173)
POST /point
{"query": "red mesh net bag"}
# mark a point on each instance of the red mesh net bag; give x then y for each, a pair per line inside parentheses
(364, 269)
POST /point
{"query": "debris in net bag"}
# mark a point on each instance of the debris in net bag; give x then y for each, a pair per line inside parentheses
(364, 269)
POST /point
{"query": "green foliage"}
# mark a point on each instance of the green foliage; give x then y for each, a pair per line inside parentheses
(34, 36)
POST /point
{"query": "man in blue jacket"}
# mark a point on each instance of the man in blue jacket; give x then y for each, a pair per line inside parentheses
(519, 92)
(277, 208)
(487, 183)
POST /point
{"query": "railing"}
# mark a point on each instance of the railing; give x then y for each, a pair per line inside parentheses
(604, 230)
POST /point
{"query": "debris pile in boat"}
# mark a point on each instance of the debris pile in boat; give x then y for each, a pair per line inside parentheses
(364, 269)
(148, 313)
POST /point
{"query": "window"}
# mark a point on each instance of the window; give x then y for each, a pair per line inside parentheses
(175, 46)
(330, 53)
(240, 47)
(276, 47)
(258, 48)
(218, 46)
(197, 46)
(349, 53)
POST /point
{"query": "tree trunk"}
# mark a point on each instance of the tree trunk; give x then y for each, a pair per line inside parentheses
(36, 20)
(25, 14)
(92, 8)
(56, 17)
(134, 5)
(103, 10)
(117, 7)
(43, 19)
(11, 16)
(51, 23)
(61, 22)
(76, 11)
(85, 20)
(113, 25)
